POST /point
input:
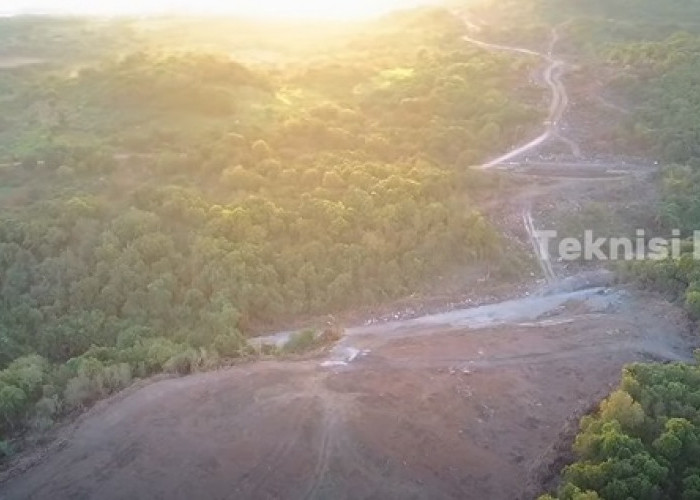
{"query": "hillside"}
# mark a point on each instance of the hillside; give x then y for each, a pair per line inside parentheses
(276, 259)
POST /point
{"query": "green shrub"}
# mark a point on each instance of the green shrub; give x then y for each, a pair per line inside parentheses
(156, 352)
(300, 342)
(182, 363)
(28, 373)
(231, 345)
(692, 303)
(117, 377)
(13, 405)
(81, 391)
(5, 449)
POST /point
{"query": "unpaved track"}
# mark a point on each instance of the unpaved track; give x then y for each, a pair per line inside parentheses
(552, 75)
(539, 247)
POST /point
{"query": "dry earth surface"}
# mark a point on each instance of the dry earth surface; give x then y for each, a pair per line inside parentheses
(442, 411)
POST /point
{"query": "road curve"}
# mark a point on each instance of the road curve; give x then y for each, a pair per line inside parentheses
(560, 100)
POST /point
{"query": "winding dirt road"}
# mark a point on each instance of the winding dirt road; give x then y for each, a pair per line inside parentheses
(552, 76)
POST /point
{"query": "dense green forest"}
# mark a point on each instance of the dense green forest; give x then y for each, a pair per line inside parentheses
(661, 76)
(643, 442)
(158, 206)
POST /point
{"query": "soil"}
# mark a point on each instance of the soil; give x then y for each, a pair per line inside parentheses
(428, 412)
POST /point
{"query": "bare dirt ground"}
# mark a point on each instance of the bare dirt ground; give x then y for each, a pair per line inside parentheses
(436, 412)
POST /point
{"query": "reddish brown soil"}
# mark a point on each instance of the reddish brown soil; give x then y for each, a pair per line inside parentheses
(438, 414)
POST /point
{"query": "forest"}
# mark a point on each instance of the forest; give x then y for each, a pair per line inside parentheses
(644, 440)
(662, 77)
(160, 206)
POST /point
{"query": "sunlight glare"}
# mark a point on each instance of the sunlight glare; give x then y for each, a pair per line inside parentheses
(279, 9)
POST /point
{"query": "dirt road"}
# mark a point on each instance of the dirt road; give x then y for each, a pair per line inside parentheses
(539, 247)
(552, 76)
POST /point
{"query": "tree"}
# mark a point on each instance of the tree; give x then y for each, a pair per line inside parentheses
(12, 405)
(637, 445)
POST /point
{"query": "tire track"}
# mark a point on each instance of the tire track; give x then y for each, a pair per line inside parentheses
(253, 479)
(540, 248)
(324, 453)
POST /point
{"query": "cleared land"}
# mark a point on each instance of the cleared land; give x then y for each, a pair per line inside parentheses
(440, 411)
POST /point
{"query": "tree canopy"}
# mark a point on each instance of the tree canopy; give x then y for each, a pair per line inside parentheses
(161, 203)
(644, 441)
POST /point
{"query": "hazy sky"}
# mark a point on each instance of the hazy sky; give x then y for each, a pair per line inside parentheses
(276, 8)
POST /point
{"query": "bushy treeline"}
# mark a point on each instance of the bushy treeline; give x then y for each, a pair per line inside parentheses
(679, 279)
(679, 208)
(643, 442)
(143, 101)
(178, 83)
